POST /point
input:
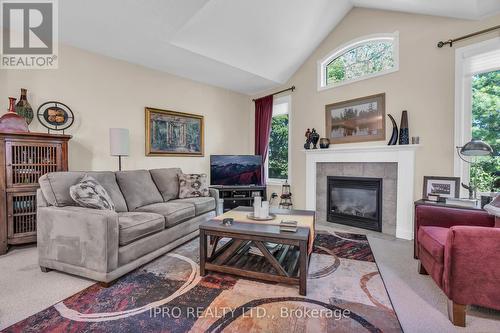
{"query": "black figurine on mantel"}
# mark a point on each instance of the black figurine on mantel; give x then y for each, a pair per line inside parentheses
(404, 134)
(307, 145)
(394, 137)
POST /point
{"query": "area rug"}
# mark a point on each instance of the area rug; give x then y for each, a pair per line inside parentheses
(345, 293)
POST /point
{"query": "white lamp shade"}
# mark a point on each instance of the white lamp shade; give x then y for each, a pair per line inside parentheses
(118, 142)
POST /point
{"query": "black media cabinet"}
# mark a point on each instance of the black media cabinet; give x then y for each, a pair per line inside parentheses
(234, 196)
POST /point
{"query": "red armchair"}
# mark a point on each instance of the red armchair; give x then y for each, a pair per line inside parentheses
(460, 249)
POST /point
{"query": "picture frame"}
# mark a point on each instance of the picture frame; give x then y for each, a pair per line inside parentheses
(356, 120)
(445, 187)
(171, 133)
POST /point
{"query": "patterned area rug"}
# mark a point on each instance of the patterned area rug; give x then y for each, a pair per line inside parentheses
(345, 293)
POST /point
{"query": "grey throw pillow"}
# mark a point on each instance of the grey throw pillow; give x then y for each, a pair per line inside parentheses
(193, 185)
(90, 194)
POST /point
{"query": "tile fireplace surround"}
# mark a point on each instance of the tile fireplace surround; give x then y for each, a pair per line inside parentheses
(402, 156)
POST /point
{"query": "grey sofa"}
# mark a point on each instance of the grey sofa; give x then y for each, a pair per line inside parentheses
(103, 245)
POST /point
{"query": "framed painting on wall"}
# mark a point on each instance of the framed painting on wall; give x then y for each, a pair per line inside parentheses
(170, 133)
(356, 120)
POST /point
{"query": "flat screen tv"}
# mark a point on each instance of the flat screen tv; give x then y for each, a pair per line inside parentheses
(235, 170)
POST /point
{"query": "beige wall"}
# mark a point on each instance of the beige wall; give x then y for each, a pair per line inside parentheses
(105, 92)
(424, 85)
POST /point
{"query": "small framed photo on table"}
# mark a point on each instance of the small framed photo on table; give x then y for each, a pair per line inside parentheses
(444, 187)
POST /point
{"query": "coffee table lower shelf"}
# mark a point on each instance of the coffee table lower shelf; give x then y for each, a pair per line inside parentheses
(286, 263)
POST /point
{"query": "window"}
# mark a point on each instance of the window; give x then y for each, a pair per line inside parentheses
(477, 111)
(278, 161)
(359, 59)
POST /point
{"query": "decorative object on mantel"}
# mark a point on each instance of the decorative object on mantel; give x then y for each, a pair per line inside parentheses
(119, 144)
(394, 137)
(415, 140)
(357, 120)
(11, 122)
(314, 138)
(324, 143)
(23, 107)
(444, 187)
(404, 132)
(55, 116)
(307, 145)
(473, 148)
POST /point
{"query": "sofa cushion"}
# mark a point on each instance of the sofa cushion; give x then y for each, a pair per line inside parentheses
(55, 187)
(135, 225)
(89, 193)
(167, 181)
(201, 204)
(107, 179)
(138, 188)
(174, 212)
(193, 185)
(433, 240)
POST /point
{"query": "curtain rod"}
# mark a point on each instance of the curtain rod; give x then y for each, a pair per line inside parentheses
(451, 41)
(292, 88)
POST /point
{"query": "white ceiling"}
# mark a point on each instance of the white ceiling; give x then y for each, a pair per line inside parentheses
(243, 45)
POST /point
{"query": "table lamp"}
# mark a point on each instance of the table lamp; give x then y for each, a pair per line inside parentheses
(473, 148)
(119, 143)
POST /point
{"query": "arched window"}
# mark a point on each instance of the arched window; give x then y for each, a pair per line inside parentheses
(359, 59)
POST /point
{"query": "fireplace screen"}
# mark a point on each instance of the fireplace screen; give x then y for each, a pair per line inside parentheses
(355, 201)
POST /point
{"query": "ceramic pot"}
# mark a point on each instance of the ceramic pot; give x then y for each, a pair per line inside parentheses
(404, 134)
(11, 122)
(324, 143)
(23, 107)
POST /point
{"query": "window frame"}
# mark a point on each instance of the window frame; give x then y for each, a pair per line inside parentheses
(275, 181)
(463, 100)
(352, 44)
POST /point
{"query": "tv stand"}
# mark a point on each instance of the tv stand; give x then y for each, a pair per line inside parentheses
(234, 196)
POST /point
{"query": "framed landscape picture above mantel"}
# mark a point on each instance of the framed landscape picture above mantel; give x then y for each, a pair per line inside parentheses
(170, 133)
(356, 120)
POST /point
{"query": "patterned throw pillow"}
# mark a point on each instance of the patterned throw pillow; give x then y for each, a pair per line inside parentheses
(90, 194)
(193, 185)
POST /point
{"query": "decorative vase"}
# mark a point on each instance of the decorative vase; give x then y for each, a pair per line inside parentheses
(324, 143)
(23, 107)
(404, 135)
(394, 137)
(314, 138)
(11, 121)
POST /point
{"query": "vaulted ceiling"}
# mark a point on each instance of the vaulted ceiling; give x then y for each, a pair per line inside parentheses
(243, 45)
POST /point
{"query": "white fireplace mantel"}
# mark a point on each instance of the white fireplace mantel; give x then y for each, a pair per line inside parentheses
(403, 155)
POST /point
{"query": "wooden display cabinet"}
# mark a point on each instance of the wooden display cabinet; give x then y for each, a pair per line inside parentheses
(24, 158)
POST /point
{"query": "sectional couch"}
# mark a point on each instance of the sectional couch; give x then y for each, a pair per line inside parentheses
(103, 245)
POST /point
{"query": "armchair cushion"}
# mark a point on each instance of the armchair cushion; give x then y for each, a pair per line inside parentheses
(138, 188)
(174, 212)
(135, 225)
(433, 240)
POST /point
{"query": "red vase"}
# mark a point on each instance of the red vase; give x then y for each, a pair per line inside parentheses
(11, 122)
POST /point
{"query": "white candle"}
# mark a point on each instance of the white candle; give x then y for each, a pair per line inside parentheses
(257, 206)
(265, 209)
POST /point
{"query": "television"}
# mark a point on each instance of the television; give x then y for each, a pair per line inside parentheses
(235, 170)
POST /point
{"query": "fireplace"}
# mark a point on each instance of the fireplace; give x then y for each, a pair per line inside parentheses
(355, 201)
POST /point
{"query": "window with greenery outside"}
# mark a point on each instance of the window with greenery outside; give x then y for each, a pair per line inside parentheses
(485, 174)
(369, 58)
(278, 148)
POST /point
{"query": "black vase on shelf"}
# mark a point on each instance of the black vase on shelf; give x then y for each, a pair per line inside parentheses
(404, 134)
(314, 138)
(394, 137)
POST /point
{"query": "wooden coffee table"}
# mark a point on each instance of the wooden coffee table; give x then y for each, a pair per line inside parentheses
(287, 262)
